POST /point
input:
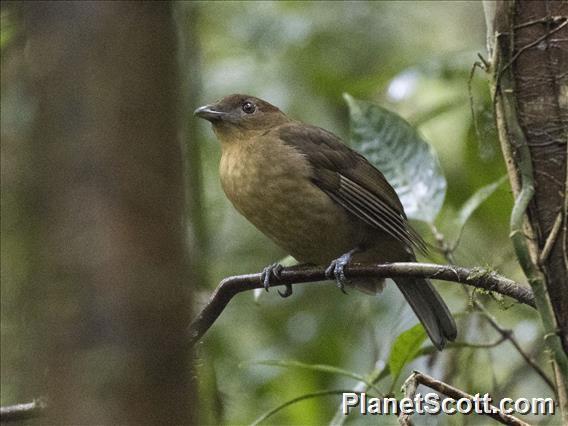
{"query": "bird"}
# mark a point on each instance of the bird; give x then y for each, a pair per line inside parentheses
(319, 200)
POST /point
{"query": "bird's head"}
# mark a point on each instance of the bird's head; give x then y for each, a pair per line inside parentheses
(239, 114)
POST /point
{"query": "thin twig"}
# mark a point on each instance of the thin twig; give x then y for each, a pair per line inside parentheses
(522, 50)
(443, 245)
(483, 67)
(298, 399)
(510, 336)
(505, 333)
(417, 378)
(545, 20)
(551, 239)
(231, 286)
(478, 345)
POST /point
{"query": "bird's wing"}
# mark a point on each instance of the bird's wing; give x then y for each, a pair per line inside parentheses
(351, 181)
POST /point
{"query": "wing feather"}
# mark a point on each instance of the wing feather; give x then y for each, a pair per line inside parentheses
(351, 181)
(383, 215)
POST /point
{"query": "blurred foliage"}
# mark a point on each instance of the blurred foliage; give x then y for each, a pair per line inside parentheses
(413, 58)
(8, 28)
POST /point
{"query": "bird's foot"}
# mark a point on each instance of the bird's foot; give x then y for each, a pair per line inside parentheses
(336, 269)
(274, 270)
(286, 293)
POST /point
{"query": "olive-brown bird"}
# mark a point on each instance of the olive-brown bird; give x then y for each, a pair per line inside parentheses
(318, 199)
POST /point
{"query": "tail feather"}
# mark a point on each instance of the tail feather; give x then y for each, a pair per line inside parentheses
(430, 309)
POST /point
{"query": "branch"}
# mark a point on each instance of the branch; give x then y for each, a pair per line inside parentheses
(231, 286)
(505, 333)
(417, 378)
(510, 336)
(475, 277)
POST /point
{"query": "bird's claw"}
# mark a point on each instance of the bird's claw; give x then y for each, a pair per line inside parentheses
(286, 293)
(336, 271)
(270, 270)
(274, 270)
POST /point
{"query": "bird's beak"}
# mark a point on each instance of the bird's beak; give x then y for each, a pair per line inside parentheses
(209, 113)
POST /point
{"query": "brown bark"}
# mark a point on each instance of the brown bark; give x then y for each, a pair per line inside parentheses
(529, 47)
(111, 261)
(534, 50)
(541, 83)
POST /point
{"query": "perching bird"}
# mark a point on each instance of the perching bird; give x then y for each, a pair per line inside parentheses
(321, 201)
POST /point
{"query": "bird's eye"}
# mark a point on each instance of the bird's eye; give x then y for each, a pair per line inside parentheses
(248, 107)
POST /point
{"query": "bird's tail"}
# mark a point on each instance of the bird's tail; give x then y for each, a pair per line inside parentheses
(430, 309)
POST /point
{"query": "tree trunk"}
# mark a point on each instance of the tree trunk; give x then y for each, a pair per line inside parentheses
(528, 41)
(111, 278)
(541, 85)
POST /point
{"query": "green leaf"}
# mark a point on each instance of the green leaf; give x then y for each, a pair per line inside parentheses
(472, 204)
(405, 348)
(408, 162)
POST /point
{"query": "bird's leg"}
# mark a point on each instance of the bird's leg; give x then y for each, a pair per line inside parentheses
(336, 269)
(275, 269)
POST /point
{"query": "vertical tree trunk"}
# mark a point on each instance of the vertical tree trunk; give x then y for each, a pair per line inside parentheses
(111, 282)
(529, 44)
(541, 84)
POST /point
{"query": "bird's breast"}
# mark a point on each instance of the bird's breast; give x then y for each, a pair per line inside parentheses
(270, 184)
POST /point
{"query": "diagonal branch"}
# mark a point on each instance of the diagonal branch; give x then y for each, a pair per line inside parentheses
(510, 336)
(475, 277)
(417, 378)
